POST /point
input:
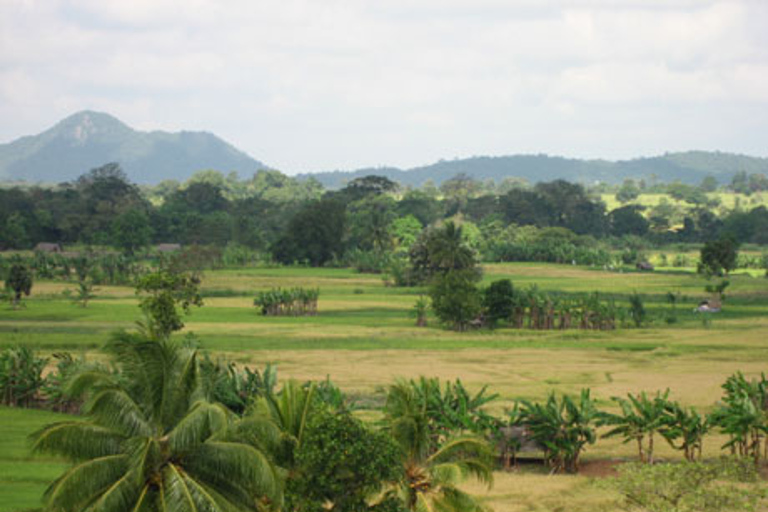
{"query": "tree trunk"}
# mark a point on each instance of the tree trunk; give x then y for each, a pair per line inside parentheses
(650, 448)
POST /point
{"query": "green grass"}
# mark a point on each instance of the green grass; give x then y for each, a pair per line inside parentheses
(24, 477)
(357, 312)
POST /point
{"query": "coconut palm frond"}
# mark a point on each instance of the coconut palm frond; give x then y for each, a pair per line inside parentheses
(203, 421)
(240, 463)
(77, 440)
(84, 483)
(115, 409)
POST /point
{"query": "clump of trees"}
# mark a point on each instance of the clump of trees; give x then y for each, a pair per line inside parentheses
(288, 302)
(535, 309)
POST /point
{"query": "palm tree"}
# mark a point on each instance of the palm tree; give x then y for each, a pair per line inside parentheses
(447, 250)
(152, 442)
(288, 412)
(433, 468)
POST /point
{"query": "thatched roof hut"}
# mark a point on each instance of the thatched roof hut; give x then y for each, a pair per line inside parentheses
(48, 247)
(168, 247)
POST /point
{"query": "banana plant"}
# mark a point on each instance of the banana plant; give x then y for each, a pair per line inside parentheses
(563, 426)
(684, 429)
(641, 417)
(743, 415)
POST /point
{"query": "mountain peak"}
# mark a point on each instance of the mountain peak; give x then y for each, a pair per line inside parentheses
(87, 124)
(89, 139)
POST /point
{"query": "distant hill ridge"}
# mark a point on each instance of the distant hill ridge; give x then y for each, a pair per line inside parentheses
(688, 167)
(89, 139)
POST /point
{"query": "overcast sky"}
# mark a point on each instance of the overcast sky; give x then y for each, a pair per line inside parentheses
(327, 84)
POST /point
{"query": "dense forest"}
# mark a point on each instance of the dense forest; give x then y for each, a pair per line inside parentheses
(291, 220)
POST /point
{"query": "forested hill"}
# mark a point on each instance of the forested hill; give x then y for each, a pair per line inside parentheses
(689, 167)
(87, 140)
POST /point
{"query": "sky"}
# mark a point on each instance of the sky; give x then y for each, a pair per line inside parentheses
(332, 84)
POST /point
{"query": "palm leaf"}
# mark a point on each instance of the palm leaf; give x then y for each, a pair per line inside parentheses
(77, 440)
(85, 482)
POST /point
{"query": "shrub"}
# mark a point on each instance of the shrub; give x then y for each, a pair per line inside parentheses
(718, 257)
(420, 311)
(21, 376)
(163, 292)
(455, 298)
(637, 309)
(55, 386)
(684, 487)
(341, 463)
(225, 383)
(19, 281)
(498, 301)
(371, 262)
(288, 302)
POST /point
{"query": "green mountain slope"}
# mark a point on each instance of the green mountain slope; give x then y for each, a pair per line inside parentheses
(89, 139)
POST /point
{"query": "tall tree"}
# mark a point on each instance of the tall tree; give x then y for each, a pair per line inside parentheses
(315, 234)
(165, 296)
(718, 257)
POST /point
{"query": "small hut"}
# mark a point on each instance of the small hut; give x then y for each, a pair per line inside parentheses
(166, 248)
(48, 247)
(709, 306)
(644, 266)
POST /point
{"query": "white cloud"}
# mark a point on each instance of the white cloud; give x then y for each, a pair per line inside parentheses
(346, 83)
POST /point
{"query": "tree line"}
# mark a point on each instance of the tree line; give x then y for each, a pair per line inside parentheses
(298, 221)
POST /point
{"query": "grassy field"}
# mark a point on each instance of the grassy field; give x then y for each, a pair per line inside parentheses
(23, 478)
(364, 338)
(727, 200)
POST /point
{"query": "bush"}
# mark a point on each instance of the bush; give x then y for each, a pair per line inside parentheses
(552, 245)
(371, 262)
(21, 376)
(292, 302)
(637, 309)
(684, 487)
(498, 301)
(455, 298)
(19, 281)
(718, 257)
(56, 395)
(341, 463)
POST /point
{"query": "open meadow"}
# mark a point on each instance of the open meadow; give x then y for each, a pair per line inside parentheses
(727, 200)
(363, 337)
